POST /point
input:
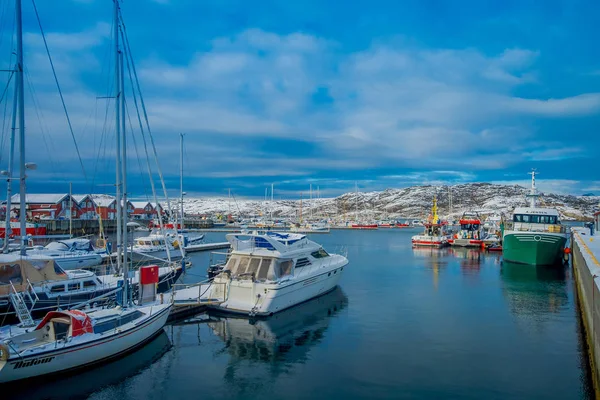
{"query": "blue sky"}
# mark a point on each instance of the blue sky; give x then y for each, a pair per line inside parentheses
(382, 93)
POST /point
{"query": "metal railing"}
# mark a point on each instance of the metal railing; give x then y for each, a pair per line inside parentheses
(533, 227)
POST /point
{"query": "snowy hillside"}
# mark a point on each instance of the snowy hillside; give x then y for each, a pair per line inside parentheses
(411, 202)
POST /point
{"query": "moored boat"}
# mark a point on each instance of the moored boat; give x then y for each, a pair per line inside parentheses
(434, 234)
(67, 340)
(535, 236)
(470, 233)
(269, 272)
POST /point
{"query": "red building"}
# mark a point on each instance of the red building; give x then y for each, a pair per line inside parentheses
(46, 206)
(87, 206)
(143, 210)
(106, 207)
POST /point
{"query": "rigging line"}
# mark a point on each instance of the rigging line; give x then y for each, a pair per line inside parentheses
(160, 174)
(148, 166)
(5, 125)
(39, 118)
(137, 155)
(59, 90)
(7, 85)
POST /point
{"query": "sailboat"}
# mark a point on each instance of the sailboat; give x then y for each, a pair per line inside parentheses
(71, 339)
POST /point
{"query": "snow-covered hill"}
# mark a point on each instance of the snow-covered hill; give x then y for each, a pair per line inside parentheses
(411, 202)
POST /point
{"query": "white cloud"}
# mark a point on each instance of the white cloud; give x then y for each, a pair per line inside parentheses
(391, 105)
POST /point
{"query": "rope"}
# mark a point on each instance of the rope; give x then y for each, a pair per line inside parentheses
(59, 89)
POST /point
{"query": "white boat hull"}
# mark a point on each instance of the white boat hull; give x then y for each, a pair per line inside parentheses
(263, 299)
(68, 358)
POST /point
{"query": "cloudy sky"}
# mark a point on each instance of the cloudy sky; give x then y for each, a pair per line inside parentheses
(382, 93)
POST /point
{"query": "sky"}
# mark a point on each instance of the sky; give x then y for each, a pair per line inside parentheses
(378, 94)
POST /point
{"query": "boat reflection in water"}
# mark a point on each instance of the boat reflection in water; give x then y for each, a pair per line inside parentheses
(470, 259)
(83, 384)
(284, 338)
(535, 293)
(434, 258)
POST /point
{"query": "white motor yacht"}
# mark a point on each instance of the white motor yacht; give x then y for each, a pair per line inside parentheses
(154, 246)
(69, 254)
(269, 272)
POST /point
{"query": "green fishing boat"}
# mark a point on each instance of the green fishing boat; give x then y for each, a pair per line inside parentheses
(535, 236)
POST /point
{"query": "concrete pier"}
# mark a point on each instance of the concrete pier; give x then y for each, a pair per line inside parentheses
(586, 265)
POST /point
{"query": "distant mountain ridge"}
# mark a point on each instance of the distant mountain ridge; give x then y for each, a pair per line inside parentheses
(410, 202)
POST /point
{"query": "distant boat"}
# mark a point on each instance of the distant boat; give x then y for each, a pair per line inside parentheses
(435, 232)
(470, 233)
(364, 226)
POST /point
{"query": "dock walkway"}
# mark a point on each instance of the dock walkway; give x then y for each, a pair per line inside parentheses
(586, 267)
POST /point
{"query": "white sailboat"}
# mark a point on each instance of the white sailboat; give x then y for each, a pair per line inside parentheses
(67, 340)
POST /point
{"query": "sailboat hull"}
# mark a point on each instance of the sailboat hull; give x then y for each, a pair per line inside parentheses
(66, 359)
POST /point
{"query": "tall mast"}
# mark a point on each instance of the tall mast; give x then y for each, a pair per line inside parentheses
(181, 174)
(70, 209)
(272, 202)
(21, 107)
(124, 165)
(311, 203)
(11, 155)
(118, 134)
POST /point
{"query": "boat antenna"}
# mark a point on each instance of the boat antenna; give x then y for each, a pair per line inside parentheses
(533, 195)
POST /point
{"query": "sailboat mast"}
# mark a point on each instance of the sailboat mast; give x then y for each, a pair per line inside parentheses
(70, 209)
(311, 203)
(124, 165)
(272, 202)
(181, 175)
(118, 135)
(11, 156)
(21, 109)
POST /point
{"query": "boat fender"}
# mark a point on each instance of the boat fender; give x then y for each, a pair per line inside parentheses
(4, 352)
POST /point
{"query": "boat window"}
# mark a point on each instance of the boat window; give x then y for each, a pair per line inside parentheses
(284, 268)
(115, 322)
(89, 284)
(155, 242)
(253, 267)
(535, 219)
(57, 289)
(73, 286)
(302, 262)
(263, 271)
(10, 273)
(232, 265)
(244, 261)
(61, 329)
(319, 254)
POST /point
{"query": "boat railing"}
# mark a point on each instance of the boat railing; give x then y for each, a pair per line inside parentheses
(533, 227)
(204, 292)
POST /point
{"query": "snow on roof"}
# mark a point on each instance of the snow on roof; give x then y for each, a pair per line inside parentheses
(40, 198)
(140, 204)
(104, 201)
(80, 197)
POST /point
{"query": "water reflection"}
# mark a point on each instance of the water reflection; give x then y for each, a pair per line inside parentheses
(82, 385)
(470, 259)
(284, 337)
(534, 292)
(435, 259)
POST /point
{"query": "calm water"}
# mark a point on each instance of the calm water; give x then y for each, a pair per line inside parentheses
(403, 323)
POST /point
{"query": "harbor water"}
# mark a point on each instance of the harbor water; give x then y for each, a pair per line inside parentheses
(403, 323)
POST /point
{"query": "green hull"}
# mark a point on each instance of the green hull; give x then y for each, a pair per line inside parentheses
(533, 248)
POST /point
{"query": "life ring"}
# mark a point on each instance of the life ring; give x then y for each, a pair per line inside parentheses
(175, 244)
(101, 243)
(4, 352)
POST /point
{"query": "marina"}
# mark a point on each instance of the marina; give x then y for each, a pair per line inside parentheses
(447, 274)
(527, 323)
